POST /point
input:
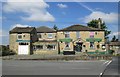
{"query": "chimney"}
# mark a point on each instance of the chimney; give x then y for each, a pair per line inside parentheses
(99, 23)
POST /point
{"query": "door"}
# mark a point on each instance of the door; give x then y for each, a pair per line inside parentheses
(23, 50)
(78, 47)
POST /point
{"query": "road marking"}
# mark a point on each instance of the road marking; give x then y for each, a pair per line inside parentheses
(105, 62)
(100, 74)
(108, 63)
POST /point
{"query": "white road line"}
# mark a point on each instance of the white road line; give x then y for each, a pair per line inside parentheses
(105, 62)
(100, 74)
(108, 63)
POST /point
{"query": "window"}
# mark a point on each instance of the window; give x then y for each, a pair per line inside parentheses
(67, 35)
(39, 35)
(98, 46)
(19, 36)
(23, 43)
(78, 34)
(67, 45)
(39, 47)
(103, 47)
(51, 47)
(50, 35)
(91, 34)
(91, 44)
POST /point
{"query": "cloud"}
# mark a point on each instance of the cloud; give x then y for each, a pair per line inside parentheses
(62, 5)
(115, 33)
(35, 10)
(109, 18)
(19, 25)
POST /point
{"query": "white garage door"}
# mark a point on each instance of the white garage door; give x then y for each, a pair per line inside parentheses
(23, 50)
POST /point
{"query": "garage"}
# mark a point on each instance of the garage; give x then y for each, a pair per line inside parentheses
(23, 49)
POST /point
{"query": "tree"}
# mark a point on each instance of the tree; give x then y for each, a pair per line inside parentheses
(114, 39)
(4, 51)
(55, 27)
(99, 24)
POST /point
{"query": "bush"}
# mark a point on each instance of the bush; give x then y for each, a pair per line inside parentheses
(5, 51)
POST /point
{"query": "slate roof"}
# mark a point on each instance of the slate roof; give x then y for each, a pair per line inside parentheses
(80, 28)
(115, 43)
(44, 29)
(22, 30)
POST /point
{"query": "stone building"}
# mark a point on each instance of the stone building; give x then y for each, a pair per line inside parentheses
(81, 38)
(44, 40)
(21, 39)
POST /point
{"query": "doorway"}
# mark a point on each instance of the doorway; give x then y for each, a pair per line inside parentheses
(78, 47)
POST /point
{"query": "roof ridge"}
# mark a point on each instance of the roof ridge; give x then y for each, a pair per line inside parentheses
(77, 27)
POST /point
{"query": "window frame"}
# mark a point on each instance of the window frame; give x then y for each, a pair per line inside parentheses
(53, 47)
(67, 34)
(39, 48)
(39, 35)
(66, 45)
(92, 36)
(92, 43)
(50, 35)
(19, 35)
(78, 34)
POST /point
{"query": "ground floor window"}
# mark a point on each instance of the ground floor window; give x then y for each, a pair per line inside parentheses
(39, 47)
(50, 47)
(103, 47)
(23, 43)
(67, 45)
(91, 44)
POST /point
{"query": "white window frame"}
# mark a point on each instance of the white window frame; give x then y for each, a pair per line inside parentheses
(68, 34)
(39, 48)
(18, 36)
(54, 47)
(66, 45)
(78, 34)
(50, 35)
(93, 35)
(39, 34)
(93, 45)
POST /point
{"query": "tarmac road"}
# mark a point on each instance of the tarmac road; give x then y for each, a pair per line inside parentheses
(29, 67)
(113, 69)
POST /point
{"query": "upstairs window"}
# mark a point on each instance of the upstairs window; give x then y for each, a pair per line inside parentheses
(67, 35)
(78, 34)
(19, 36)
(91, 34)
(50, 35)
(39, 35)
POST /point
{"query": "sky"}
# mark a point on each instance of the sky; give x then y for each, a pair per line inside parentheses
(24, 13)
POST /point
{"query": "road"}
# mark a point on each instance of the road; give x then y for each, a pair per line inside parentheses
(15, 67)
(113, 69)
(88, 68)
